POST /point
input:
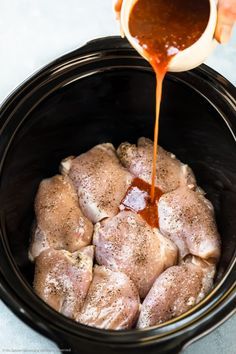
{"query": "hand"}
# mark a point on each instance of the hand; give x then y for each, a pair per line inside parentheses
(226, 20)
(117, 7)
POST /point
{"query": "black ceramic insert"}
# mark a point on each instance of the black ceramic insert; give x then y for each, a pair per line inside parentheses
(104, 92)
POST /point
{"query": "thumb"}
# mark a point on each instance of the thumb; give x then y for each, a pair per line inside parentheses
(226, 19)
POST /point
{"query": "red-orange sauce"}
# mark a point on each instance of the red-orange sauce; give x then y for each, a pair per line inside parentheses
(163, 28)
(138, 200)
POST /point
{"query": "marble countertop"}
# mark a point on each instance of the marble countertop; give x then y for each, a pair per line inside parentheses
(34, 32)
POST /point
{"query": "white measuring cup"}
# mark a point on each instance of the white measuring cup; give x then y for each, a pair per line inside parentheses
(188, 58)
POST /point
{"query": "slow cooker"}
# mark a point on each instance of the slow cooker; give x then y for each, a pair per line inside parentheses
(105, 92)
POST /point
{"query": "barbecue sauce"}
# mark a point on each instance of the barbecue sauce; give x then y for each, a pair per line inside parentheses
(163, 28)
(137, 199)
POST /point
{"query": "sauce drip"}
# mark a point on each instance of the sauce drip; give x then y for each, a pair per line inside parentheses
(137, 199)
(163, 28)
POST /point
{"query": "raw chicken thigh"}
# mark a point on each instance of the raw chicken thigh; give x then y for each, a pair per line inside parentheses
(171, 173)
(128, 244)
(112, 301)
(187, 218)
(162, 250)
(176, 291)
(100, 180)
(62, 279)
(60, 222)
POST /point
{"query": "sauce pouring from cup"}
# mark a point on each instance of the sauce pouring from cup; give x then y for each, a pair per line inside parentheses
(164, 28)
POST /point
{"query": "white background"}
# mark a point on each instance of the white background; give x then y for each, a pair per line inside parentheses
(34, 32)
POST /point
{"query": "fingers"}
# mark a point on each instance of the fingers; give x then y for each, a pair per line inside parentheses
(117, 4)
(226, 20)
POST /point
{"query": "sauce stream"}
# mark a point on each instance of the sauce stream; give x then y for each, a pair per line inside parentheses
(163, 28)
(137, 199)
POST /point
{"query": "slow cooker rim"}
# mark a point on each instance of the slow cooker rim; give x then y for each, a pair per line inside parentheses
(10, 99)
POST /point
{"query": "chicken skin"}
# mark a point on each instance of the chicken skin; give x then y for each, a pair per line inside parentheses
(112, 301)
(100, 180)
(187, 218)
(60, 221)
(62, 279)
(128, 244)
(176, 291)
(170, 173)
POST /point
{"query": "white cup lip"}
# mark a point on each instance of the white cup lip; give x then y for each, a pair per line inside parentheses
(200, 49)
